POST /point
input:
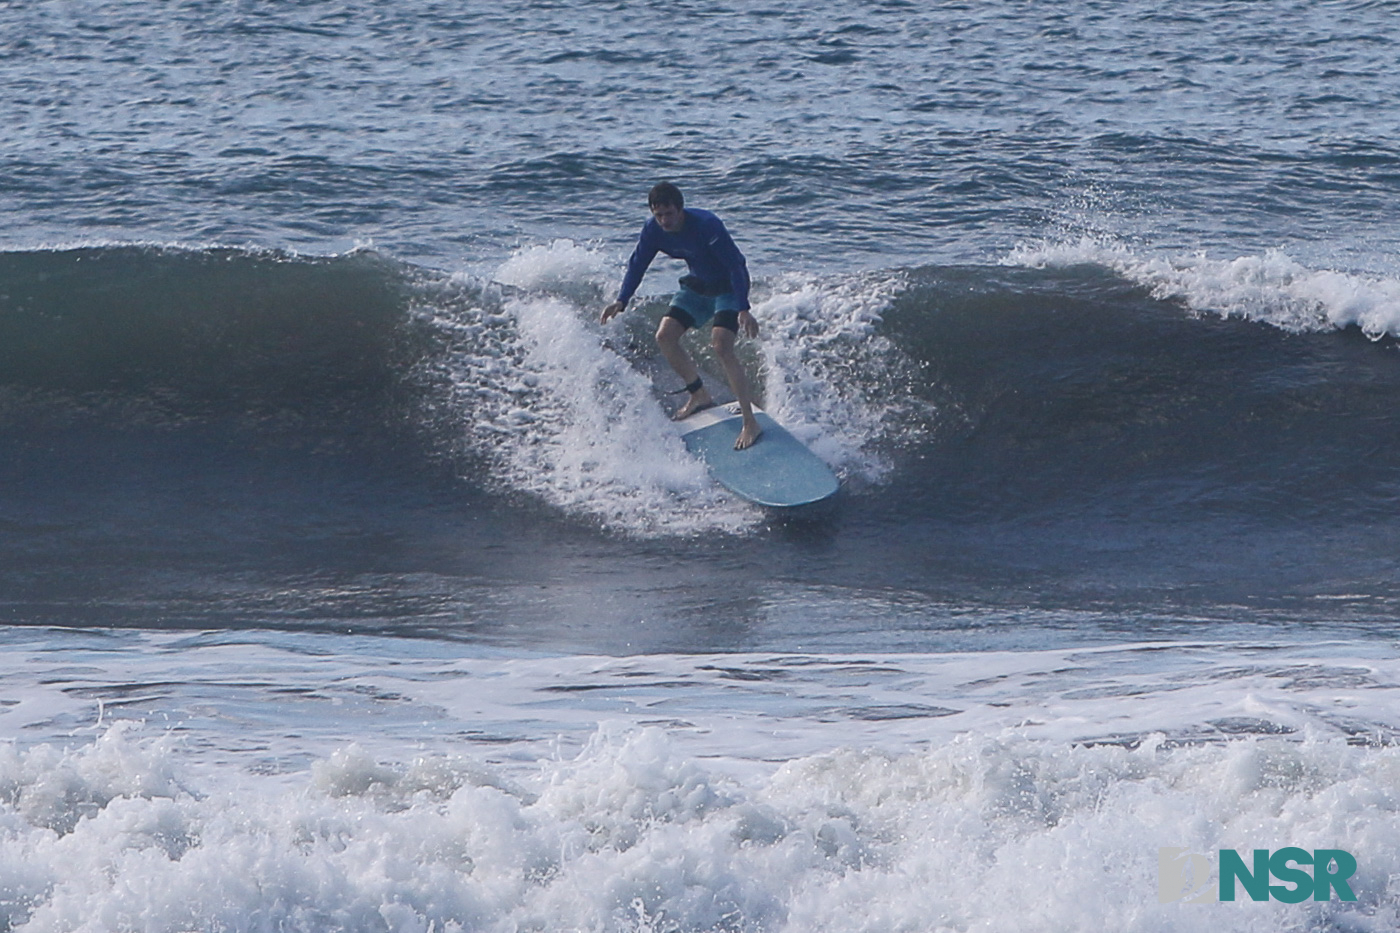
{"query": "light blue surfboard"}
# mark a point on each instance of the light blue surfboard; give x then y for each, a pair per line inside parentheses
(778, 470)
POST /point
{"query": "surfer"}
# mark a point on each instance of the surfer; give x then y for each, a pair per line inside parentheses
(717, 289)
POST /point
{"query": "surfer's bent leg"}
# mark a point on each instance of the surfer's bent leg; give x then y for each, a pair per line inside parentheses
(668, 338)
(722, 337)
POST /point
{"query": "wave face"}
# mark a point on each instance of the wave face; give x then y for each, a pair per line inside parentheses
(1077, 387)
(1085, 427)
(171, 334)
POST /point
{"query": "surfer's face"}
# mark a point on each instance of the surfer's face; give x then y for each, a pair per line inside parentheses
(670, 217)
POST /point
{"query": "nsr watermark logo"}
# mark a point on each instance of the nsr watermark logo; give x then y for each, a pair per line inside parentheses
(1186, 876)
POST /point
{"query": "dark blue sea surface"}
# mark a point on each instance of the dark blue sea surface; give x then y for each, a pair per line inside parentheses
(333, 524)
(832, 136)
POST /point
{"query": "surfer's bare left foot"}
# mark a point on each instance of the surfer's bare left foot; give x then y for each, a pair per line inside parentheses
(698, 402)
(748, 435)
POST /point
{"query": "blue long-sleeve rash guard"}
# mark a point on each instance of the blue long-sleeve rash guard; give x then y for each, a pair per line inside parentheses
(707, 249)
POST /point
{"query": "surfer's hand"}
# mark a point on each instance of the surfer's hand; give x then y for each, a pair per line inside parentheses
(748, 324)
(612, 311)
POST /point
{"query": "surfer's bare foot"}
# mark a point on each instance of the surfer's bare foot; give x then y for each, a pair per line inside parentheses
(748, 435)
(698, 401)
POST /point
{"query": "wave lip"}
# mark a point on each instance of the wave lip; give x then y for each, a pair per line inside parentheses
(1272, 288)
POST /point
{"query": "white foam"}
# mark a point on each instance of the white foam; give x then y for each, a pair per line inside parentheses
(602, 444)
(567, 420)
(1272, 288)
(985, 832)
(562, 416)
(715, 792)
(559, 264)
(830, 376)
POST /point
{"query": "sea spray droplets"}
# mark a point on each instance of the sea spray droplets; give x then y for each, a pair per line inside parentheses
(561, 267)
(831, 378)
(603, 445)
(563, 418)
(568, 420)
(492, 389)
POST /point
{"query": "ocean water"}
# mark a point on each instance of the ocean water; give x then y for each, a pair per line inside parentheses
(351, 578)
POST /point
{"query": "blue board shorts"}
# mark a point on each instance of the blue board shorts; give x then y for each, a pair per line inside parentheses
(694, 309)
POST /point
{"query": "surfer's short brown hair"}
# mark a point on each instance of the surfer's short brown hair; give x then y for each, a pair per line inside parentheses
(665, 193)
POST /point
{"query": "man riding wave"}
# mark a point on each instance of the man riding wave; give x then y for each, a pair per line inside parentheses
(717, 289)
